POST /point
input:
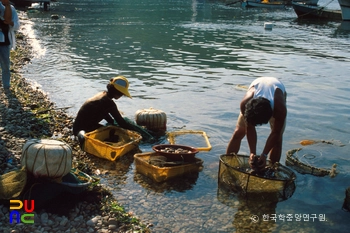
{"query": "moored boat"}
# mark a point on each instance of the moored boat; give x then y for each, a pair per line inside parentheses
(345, 9)
(315, 12)
(308, 2)
(28, 3)
(264, 3)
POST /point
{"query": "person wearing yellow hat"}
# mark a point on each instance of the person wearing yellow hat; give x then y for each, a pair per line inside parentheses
(102, 107)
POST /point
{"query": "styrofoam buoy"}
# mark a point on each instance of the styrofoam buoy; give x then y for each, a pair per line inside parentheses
(152, 119)
(47, 158)
(55, 17)
(268, 25)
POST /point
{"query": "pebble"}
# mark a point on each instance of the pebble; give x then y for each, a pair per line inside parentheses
(44, 218)
(18, 123)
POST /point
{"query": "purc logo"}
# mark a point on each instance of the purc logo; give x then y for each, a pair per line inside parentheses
(27, 217)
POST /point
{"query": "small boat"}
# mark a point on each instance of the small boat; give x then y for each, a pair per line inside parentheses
(28, 3)
(264, 4)
(306, 11)
(345, 9)
(308, 2)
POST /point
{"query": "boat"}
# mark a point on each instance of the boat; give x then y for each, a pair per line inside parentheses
(264, 4)
(345, 9)
(308, 2)
(28, 3)
(306, 11)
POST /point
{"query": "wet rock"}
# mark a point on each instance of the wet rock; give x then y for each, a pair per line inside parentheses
(44, 217)
(25, 113)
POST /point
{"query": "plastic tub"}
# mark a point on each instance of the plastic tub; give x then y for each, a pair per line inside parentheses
(97, 142)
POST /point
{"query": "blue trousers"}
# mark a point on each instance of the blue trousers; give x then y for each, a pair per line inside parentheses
(5, 65)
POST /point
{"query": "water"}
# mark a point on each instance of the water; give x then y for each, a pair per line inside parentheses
(187, 58)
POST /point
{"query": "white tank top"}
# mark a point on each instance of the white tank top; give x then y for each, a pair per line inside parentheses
(266, 87)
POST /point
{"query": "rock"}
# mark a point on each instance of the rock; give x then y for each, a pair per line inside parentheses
(112, 227)
(113, 221)
(44, 217)
(90, 223)
(22, 110)
(64, 221)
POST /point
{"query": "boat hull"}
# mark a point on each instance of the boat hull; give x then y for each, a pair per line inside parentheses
(263, 4)
(28, 3)
(315, 12)
(308, 2)
(345, 9)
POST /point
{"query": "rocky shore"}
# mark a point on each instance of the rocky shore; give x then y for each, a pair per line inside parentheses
(26, 113)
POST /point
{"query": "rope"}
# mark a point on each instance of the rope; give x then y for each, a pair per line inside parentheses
(303, 168)
(319, 10)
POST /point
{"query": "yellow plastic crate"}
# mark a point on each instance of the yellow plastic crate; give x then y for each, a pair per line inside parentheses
(160, 174)
(95, 143)
(173, 135)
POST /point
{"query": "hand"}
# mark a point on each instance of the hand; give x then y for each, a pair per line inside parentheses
(261, 162)
(9, 22)
(252, 161)
(5, 2)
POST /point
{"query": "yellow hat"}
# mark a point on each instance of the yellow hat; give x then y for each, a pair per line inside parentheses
(121, 84)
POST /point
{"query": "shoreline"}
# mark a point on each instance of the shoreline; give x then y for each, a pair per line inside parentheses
(27, 113)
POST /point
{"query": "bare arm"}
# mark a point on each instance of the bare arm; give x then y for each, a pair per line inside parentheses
(7, 12)
(250, 130)
(252, 138)
(274, 140)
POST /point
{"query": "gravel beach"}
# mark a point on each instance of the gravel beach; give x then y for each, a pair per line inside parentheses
(27, 113)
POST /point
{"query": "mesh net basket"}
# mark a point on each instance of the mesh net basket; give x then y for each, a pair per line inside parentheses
(12, 183)
(305, 162)
(275, 183)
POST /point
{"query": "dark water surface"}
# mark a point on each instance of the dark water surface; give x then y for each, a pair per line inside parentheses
(187, 58)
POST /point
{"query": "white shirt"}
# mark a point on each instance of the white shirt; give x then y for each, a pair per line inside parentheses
(265, 87)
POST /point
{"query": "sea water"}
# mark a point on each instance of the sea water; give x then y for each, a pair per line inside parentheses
(192, 60)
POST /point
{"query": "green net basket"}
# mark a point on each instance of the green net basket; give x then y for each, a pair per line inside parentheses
(276, 183)
(306, 162)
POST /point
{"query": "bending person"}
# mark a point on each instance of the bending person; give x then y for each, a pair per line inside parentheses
(102, 107)
(265, 101)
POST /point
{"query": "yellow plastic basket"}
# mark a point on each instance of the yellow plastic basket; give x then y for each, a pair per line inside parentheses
(173, 135)
(95, 142)
(160, 174)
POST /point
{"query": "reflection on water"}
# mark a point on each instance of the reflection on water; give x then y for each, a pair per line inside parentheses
(253, 215)
(187, 58)
(181, 184)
